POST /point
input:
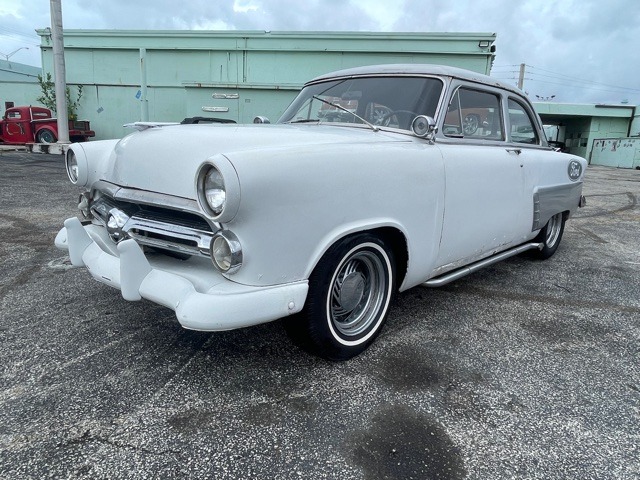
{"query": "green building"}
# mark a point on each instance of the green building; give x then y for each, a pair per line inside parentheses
(579, 125)
(167, 76)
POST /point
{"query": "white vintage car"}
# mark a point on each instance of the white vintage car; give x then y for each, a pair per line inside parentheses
(375, 180)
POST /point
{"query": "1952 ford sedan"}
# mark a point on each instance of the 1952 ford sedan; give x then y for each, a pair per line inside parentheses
(374, 180)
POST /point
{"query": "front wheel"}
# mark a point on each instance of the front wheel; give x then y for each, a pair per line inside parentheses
(550, 237)
(350, 291)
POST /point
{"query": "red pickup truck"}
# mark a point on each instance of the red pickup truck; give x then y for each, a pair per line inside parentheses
(21, 125)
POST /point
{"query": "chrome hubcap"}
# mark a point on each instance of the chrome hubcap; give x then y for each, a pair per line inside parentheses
(352, 291)
(553, 230)
(357, 293)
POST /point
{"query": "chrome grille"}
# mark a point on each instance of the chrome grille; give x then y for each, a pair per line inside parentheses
(158, 227)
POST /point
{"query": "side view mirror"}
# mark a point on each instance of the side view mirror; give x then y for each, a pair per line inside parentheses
(424, 126)
(261, 119)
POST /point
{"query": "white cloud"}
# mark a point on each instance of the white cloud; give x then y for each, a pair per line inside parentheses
(383, 14)
(578, 50)
(240, 6)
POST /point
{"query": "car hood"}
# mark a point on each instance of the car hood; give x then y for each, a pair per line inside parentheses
(166, 159)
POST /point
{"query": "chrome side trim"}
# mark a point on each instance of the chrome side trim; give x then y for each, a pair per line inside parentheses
(536, 212)
(464, 271)
(139, 228)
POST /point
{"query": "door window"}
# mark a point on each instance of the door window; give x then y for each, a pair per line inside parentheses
(522, 127)
(474, 114)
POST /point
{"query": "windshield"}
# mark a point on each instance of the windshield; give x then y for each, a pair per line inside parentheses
(382, 101)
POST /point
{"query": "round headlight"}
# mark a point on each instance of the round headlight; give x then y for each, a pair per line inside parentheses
(226, 252)
(217, 187)
(72, 166)
(214, 192)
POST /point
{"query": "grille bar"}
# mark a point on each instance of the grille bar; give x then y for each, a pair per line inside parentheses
(158, 227)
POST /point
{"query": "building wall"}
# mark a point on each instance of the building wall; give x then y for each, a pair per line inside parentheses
(634, 130)
(577, 136)
(18, 84)
(578, 125)
(264, 70)
(20, 93)
(616, 152)
(580, 134)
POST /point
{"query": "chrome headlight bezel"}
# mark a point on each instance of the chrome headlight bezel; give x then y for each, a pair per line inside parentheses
(71, 164)
(226, 252)
(227, 181)
(76, 166)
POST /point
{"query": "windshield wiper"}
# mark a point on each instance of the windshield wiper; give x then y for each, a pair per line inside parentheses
(304, 120)
(340, 107)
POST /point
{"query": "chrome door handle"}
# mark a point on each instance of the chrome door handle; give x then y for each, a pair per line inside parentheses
(517, 151)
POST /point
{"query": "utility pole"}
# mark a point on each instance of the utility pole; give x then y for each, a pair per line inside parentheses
(144, 105)
(59, 71)
(521, 77)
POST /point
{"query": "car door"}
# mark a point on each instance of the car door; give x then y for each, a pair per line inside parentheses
(486, 209)
(15, 127)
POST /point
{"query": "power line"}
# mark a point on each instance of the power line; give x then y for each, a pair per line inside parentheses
(581, 87)
(574, 79)
(585, 83)
(13, 31)
(20, 39)
(561, 76)
(576, 83)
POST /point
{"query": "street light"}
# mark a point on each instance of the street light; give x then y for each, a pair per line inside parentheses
(6, 56)
(545, 99)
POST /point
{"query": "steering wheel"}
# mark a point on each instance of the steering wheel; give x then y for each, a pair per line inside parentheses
(385, 120)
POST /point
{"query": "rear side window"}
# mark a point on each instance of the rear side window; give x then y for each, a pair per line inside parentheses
(474, 114)
(15, 115)
(522, 126)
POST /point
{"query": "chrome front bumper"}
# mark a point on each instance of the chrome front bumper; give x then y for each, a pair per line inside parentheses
(202, 298)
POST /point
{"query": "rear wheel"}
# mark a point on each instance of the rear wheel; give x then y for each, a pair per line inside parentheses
(550, 237)
(350, 291)
(45, 136)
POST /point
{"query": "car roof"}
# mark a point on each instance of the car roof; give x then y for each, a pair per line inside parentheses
(417, 69)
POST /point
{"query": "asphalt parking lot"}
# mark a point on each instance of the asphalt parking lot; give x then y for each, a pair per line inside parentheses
(525, 370)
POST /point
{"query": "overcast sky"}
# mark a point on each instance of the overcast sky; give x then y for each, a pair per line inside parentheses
(581, 51)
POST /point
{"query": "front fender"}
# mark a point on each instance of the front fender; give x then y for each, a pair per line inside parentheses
(295, 205)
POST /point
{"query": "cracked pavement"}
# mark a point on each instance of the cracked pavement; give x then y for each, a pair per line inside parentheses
(525, 370)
